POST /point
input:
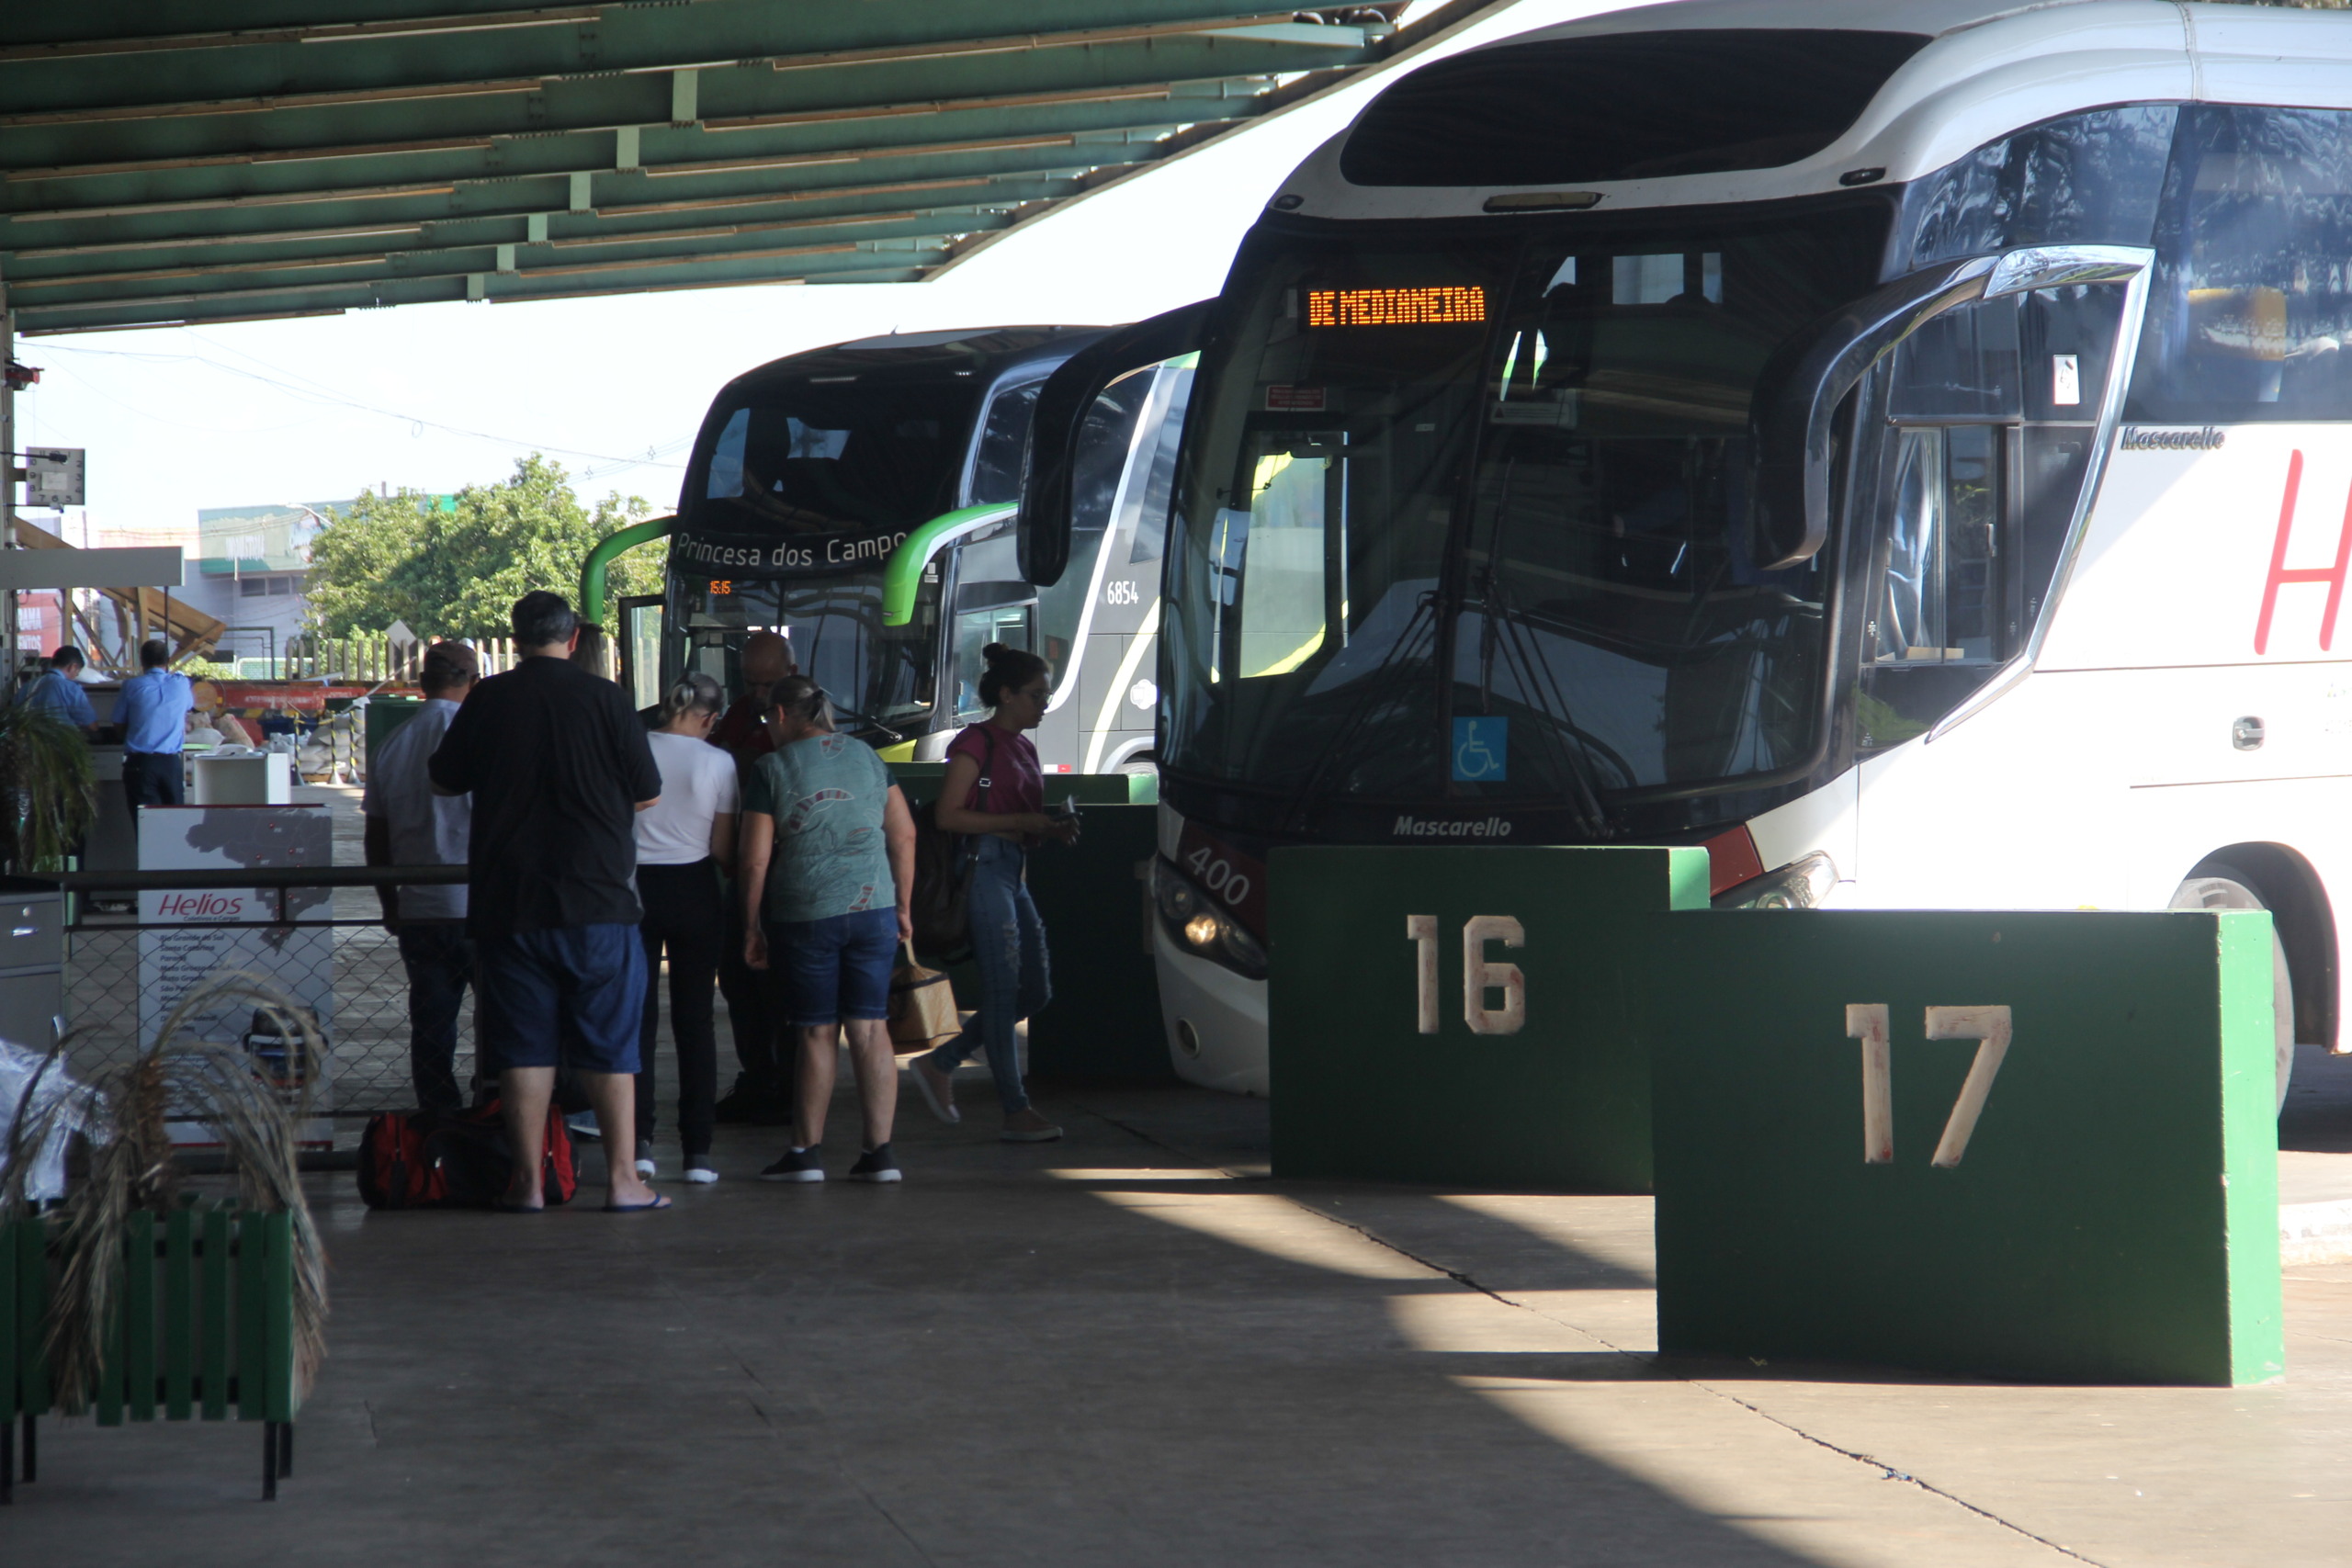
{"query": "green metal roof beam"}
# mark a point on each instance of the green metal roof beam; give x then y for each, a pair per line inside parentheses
(27, 198)
(309, 156)
(260, 304)
(413, 246)
(552, 193)
(503, 261)
(249, 226)
(627, 39)
(730, 102)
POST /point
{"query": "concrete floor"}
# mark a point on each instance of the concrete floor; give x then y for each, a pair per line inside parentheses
(1131, 1348)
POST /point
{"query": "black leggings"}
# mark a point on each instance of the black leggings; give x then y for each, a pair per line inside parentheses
(685, 912)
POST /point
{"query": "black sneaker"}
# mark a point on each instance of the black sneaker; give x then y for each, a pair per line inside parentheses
(796, 1165)
(739, 1105)
(875, 1164)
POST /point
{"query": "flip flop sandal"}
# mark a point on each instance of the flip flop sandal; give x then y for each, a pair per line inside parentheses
(659, 1203)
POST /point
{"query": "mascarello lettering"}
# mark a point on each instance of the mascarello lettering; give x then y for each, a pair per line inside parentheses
(2207, 439)
(1410, 827)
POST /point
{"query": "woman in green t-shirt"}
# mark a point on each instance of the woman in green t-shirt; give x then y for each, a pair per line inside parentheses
(828, 876)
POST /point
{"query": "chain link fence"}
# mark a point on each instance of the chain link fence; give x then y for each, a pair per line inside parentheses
(117, 994)
(125, 969)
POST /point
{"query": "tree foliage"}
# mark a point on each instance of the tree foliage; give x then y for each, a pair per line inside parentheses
(456, 572)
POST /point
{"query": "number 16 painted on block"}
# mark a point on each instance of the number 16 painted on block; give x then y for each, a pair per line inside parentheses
(1480, 974)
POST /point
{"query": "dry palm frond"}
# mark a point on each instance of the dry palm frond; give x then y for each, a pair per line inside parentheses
(47, 796)
(122, 1109)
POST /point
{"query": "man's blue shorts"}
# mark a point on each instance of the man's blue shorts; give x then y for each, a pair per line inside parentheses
(835, 969)
(561, 994)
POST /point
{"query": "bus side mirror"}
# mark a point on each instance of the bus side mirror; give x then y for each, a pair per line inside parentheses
(1801, 385)
(1050, 462)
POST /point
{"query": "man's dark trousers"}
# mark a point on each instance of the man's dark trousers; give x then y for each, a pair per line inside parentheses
(153, 778)
(439, 958)
(752, 1015)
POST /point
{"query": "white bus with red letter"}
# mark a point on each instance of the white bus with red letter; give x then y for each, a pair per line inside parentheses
(1904, 451)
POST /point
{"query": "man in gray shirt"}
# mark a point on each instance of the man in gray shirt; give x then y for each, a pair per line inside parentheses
(410, 825)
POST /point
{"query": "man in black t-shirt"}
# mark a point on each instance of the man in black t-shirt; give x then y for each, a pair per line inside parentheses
(558, 766)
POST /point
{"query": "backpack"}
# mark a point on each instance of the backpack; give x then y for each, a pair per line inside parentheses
(944, 863)
(394, 1171)
(460, 1160)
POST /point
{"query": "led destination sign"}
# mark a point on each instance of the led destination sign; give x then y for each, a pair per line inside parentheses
(767, 557)
(1442, 305)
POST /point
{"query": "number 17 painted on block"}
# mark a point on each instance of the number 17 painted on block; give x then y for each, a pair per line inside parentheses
(1988, 1026)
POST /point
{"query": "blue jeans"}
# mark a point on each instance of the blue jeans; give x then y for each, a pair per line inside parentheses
(837, 969)
(439, 958)
(1017, 981)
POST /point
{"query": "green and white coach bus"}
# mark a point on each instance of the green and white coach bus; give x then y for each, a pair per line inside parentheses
(859, 500)
(1903, 450)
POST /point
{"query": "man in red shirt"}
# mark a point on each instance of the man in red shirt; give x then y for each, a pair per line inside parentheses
(743, 729)
(763, 1092)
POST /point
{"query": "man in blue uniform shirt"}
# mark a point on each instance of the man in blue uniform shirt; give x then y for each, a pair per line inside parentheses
(59, 690)
(152, 711)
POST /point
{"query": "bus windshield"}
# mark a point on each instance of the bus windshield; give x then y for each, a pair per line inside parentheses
(822, 457)
(1465, 517)
(881, 678)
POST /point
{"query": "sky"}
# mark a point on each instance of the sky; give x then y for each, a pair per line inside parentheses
(437, 397)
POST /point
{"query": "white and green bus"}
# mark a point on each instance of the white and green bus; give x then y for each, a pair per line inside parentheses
(859, 500)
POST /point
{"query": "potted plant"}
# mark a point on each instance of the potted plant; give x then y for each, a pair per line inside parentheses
(46, 785)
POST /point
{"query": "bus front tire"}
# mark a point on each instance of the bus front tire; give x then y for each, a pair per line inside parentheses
(2223, 888)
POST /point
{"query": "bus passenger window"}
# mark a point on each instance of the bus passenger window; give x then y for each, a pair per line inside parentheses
(1011, 625)
(1280, 612)
(2250, 312)
(1962, 365)
(1004, 435)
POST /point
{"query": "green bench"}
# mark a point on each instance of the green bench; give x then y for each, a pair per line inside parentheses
(203, 1327)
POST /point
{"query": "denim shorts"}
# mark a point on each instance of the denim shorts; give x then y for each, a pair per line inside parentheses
(561, 994)
(835, 969)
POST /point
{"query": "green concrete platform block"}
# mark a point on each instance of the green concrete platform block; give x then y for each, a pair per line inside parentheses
(1103, 1023)
(921, 782)
(1389, 1064)
(2110, 1217)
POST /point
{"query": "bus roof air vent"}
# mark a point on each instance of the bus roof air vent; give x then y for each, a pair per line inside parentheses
(1585, 110)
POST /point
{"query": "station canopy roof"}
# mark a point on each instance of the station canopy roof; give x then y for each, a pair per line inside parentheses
(305, 157)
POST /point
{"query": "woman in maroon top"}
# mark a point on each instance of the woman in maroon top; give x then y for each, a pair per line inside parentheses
(994, 791)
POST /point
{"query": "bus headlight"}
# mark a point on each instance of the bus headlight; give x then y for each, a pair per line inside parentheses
(1799, 885)
(1206, 930)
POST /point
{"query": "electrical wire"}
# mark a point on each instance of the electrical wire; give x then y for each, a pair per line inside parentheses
(315, 394)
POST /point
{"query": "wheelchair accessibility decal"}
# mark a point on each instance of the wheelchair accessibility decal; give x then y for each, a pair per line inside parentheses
(1481, 749)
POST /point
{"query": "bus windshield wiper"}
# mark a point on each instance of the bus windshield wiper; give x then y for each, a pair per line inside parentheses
(1371, 687)
(1499, 627)
(868, 719)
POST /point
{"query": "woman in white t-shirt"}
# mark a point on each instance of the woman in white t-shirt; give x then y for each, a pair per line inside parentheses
(682, 841)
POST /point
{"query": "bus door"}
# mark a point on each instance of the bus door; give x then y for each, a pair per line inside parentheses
(1973, 455)
(641, 673)
(1986, 420)
(991, 601)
